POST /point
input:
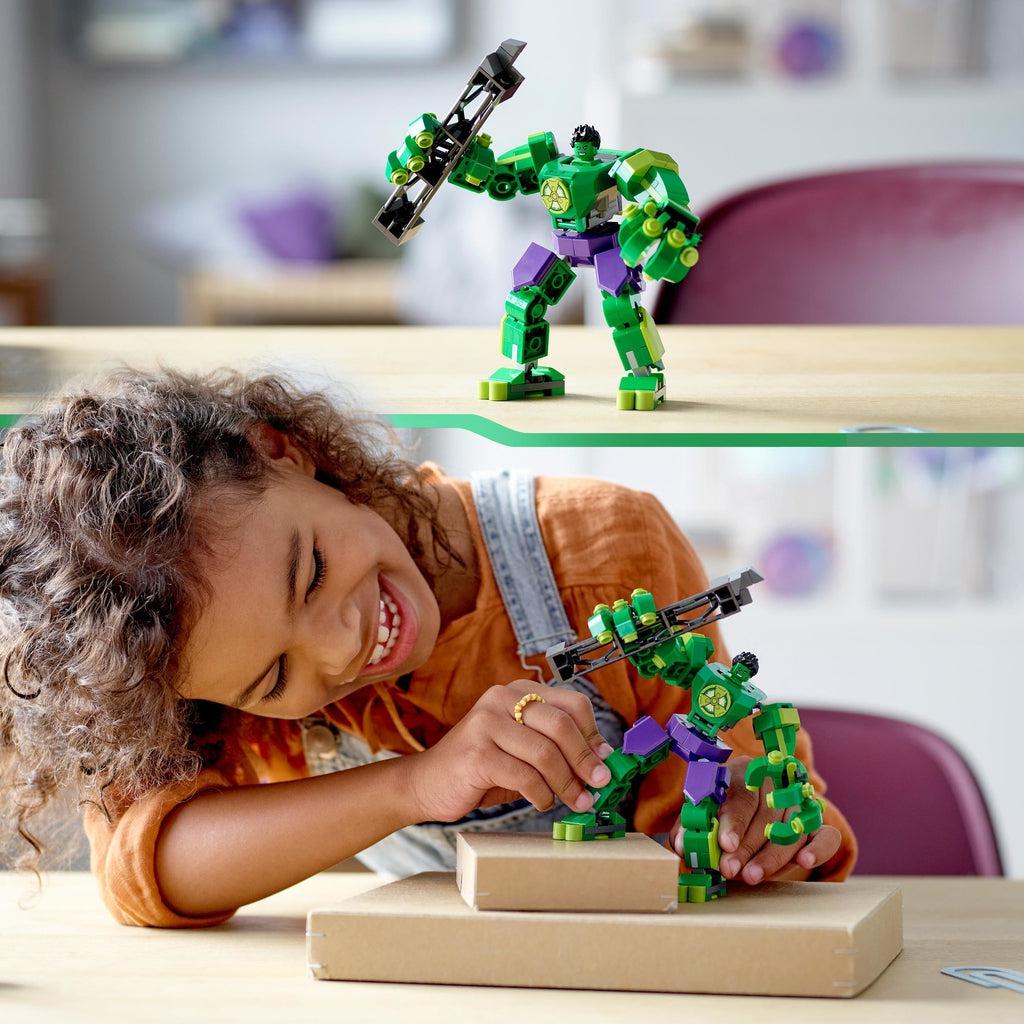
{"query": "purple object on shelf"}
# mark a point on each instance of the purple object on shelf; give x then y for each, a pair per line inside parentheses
(797, 563)
(810, 48)
(296, 229)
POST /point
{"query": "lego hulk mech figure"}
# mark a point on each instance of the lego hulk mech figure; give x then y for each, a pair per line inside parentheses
(654, 235)
(662, 642)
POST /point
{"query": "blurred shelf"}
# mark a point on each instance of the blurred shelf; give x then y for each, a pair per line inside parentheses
(348, 292)
(25, 295)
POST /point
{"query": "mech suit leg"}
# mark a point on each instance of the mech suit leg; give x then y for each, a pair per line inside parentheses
(539, 280)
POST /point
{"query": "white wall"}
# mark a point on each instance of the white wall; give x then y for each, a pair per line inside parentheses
(18, 108)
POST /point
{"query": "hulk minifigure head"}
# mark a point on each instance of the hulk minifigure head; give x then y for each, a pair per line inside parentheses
(585, 141)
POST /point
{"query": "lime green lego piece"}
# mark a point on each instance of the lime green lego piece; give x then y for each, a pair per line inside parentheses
(601, 625)
(509, 383)
(524, 342)
(700, 887)
(624, 767)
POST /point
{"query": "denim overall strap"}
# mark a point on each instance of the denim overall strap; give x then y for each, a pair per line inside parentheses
(506, 508)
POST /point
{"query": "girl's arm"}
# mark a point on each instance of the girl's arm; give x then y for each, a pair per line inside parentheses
(226, 848)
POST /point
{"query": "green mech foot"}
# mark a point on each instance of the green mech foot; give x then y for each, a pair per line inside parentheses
(578, 828)
(507, 384)
(643, 394)
(700, 887)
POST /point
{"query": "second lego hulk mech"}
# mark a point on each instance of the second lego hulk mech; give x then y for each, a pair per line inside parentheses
(661, 642)
(654, 235)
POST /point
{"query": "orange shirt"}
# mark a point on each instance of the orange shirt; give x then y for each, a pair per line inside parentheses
(603, 541)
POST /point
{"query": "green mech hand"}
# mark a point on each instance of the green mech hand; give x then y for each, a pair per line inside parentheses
(411, 156)
(661, 237)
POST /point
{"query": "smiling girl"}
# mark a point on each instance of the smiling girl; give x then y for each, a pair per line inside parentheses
(254, 642)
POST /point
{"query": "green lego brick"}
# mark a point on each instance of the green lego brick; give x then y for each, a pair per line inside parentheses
(636, 171)
(624, 767)
(656, 757)
(556, 282)
(502, 185)
(526, 306)
(524, 343)
(700, 887)
(641, 393)
(601, 625)
(620, 310)
(508, 383)
(639, 345)
(701, 848)
(698, 817)
(610, 795)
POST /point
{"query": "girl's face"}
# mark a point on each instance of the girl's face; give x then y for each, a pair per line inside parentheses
(310, 598)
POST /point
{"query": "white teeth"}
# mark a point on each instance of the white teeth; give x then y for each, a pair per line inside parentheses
(387, 635)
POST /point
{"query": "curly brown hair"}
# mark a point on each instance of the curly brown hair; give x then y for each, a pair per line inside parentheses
(99, 523)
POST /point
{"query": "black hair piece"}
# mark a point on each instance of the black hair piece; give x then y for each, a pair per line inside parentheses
(586, 133)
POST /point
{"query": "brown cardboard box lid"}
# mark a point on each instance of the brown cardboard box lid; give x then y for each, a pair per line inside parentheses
(781, 938)
(532, 871)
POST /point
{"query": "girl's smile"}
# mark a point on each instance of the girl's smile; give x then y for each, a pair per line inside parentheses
(309, 597)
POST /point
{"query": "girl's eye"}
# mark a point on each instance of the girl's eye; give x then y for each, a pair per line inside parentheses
(319, 569)
(282, 681)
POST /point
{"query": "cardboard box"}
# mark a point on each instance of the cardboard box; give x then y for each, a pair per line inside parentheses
(531, 871)
(780, 938)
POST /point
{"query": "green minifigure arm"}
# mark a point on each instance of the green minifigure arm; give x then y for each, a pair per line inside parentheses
(776, 726)
(658, 229)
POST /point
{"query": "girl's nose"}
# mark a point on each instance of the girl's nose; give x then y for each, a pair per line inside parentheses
(334, 637)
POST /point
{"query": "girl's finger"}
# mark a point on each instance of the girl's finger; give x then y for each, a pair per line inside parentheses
(541, 754)
(576, 705)
(820, 847)
(753, 839)
(738, 809)
(562, 729)
(511, 773)
(770, 859)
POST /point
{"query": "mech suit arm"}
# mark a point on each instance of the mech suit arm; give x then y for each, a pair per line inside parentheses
(479, 169)
(658, 230)
(776, 726)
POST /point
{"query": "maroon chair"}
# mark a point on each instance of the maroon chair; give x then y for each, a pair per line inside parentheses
(932, 244)
(911, 798)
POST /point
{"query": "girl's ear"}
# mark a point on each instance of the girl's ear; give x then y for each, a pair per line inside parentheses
(280, 449)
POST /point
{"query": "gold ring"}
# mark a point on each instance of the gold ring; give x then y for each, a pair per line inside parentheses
(517, 711)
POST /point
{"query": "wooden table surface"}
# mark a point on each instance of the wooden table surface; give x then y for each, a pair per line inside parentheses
(64, 959)
(729, 380)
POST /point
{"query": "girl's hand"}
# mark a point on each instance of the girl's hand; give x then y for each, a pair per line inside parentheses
(489, 758)
(746, 854)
